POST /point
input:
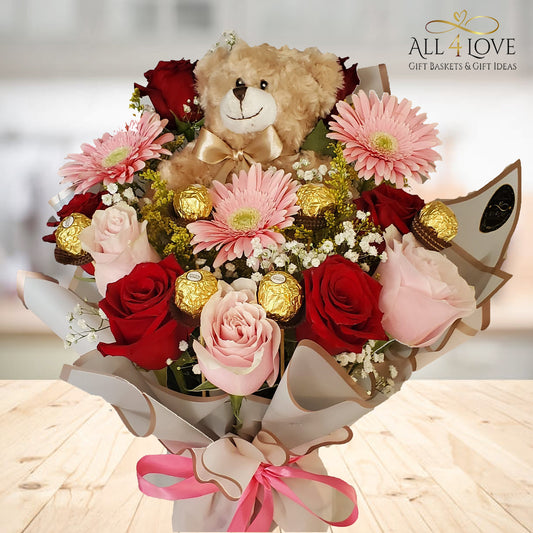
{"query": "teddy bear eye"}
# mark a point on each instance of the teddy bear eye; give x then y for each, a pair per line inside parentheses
(239, 83)
(263, 84)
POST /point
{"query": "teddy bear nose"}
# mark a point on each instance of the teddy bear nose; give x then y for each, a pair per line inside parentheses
(240, 93)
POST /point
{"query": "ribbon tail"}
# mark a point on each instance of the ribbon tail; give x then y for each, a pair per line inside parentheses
(175, 466)
(277, 473)
(244, 512)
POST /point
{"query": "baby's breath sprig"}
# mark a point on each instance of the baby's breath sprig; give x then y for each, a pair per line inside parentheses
(228, 39)
(362, 365)
(128, 192)
(79, 328)
(304, 173)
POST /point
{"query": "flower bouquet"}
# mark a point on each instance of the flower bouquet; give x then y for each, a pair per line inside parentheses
(253, 275)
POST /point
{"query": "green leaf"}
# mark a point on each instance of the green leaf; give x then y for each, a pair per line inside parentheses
(317, 140)
(161, 376)
(206, 385)
(188, 129)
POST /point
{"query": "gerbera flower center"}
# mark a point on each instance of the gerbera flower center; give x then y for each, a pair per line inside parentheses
(244, 219)
(116, 156)
(385, 143)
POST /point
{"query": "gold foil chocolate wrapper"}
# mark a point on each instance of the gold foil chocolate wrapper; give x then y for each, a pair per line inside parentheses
(435, 225)
(280, 295)
(315, 199)
(193, 290)
(193, 203)
(68, 233)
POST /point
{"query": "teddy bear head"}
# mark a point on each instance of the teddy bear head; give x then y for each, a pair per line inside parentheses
(248, 88)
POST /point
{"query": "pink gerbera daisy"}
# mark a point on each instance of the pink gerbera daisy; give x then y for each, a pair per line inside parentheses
(252, 206)
(387, 140)
(116, 158)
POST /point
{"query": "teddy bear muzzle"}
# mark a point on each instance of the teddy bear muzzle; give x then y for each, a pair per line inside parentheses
(247, 110)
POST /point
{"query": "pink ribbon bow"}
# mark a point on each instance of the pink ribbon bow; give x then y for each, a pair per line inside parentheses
(266, 479)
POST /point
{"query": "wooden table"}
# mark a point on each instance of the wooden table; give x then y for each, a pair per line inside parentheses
(450, 456)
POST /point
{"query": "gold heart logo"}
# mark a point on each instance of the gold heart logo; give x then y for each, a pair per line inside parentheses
(460, 17)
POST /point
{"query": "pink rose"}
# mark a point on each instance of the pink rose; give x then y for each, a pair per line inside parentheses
(241, 343)
(117, 242)
(423, 293)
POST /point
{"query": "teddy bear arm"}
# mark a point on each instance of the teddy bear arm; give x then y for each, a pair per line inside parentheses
(184, 169)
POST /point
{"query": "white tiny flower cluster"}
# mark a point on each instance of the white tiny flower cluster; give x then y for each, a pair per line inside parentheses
(294, 255)
(387, 386)
(79, 329)
(228, 40)
(311, 174)
(361, 365)
(187, 107)
(113, 196)
(230, 270)
(348, 237)
(346, 358)
(364, 360)
(287, 256)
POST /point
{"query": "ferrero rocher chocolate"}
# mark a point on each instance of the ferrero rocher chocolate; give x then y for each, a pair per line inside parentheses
(435, 225)
(280, 295)
(315, 199)
(193, 203)
(193, 290)
(68, 233)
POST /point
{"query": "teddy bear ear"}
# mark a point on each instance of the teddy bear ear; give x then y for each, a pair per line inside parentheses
(207, 65)
(327, 72)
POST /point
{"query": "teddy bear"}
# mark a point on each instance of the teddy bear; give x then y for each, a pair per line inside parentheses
(260, 103)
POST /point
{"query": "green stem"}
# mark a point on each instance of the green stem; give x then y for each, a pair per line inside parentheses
(180, 380)
(236, 402)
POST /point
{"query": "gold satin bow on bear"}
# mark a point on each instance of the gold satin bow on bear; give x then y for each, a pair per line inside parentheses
(212, 150)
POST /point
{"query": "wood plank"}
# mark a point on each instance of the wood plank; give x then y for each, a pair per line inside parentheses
(38, 426)
(152, 515)
(331, 457)
(113, 506)
(501, 475)
(462, 426)
(505, 400)
(480, 507)
(56, 493)
(438, 456)
(470, 407)
(390, 506)
(433, 504)
(12, 393)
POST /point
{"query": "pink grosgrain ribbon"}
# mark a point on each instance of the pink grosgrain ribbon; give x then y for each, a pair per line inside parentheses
(176, 466)
(267, 477)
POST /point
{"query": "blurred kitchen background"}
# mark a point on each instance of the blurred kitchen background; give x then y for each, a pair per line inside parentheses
(67, 69)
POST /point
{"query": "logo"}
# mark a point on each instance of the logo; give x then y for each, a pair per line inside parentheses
(463, 43)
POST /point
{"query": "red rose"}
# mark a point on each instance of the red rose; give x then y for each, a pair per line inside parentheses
(341, 306)
(86, 204)
(350, 77)
(137, 307)
(171, 85)
(388, 205)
